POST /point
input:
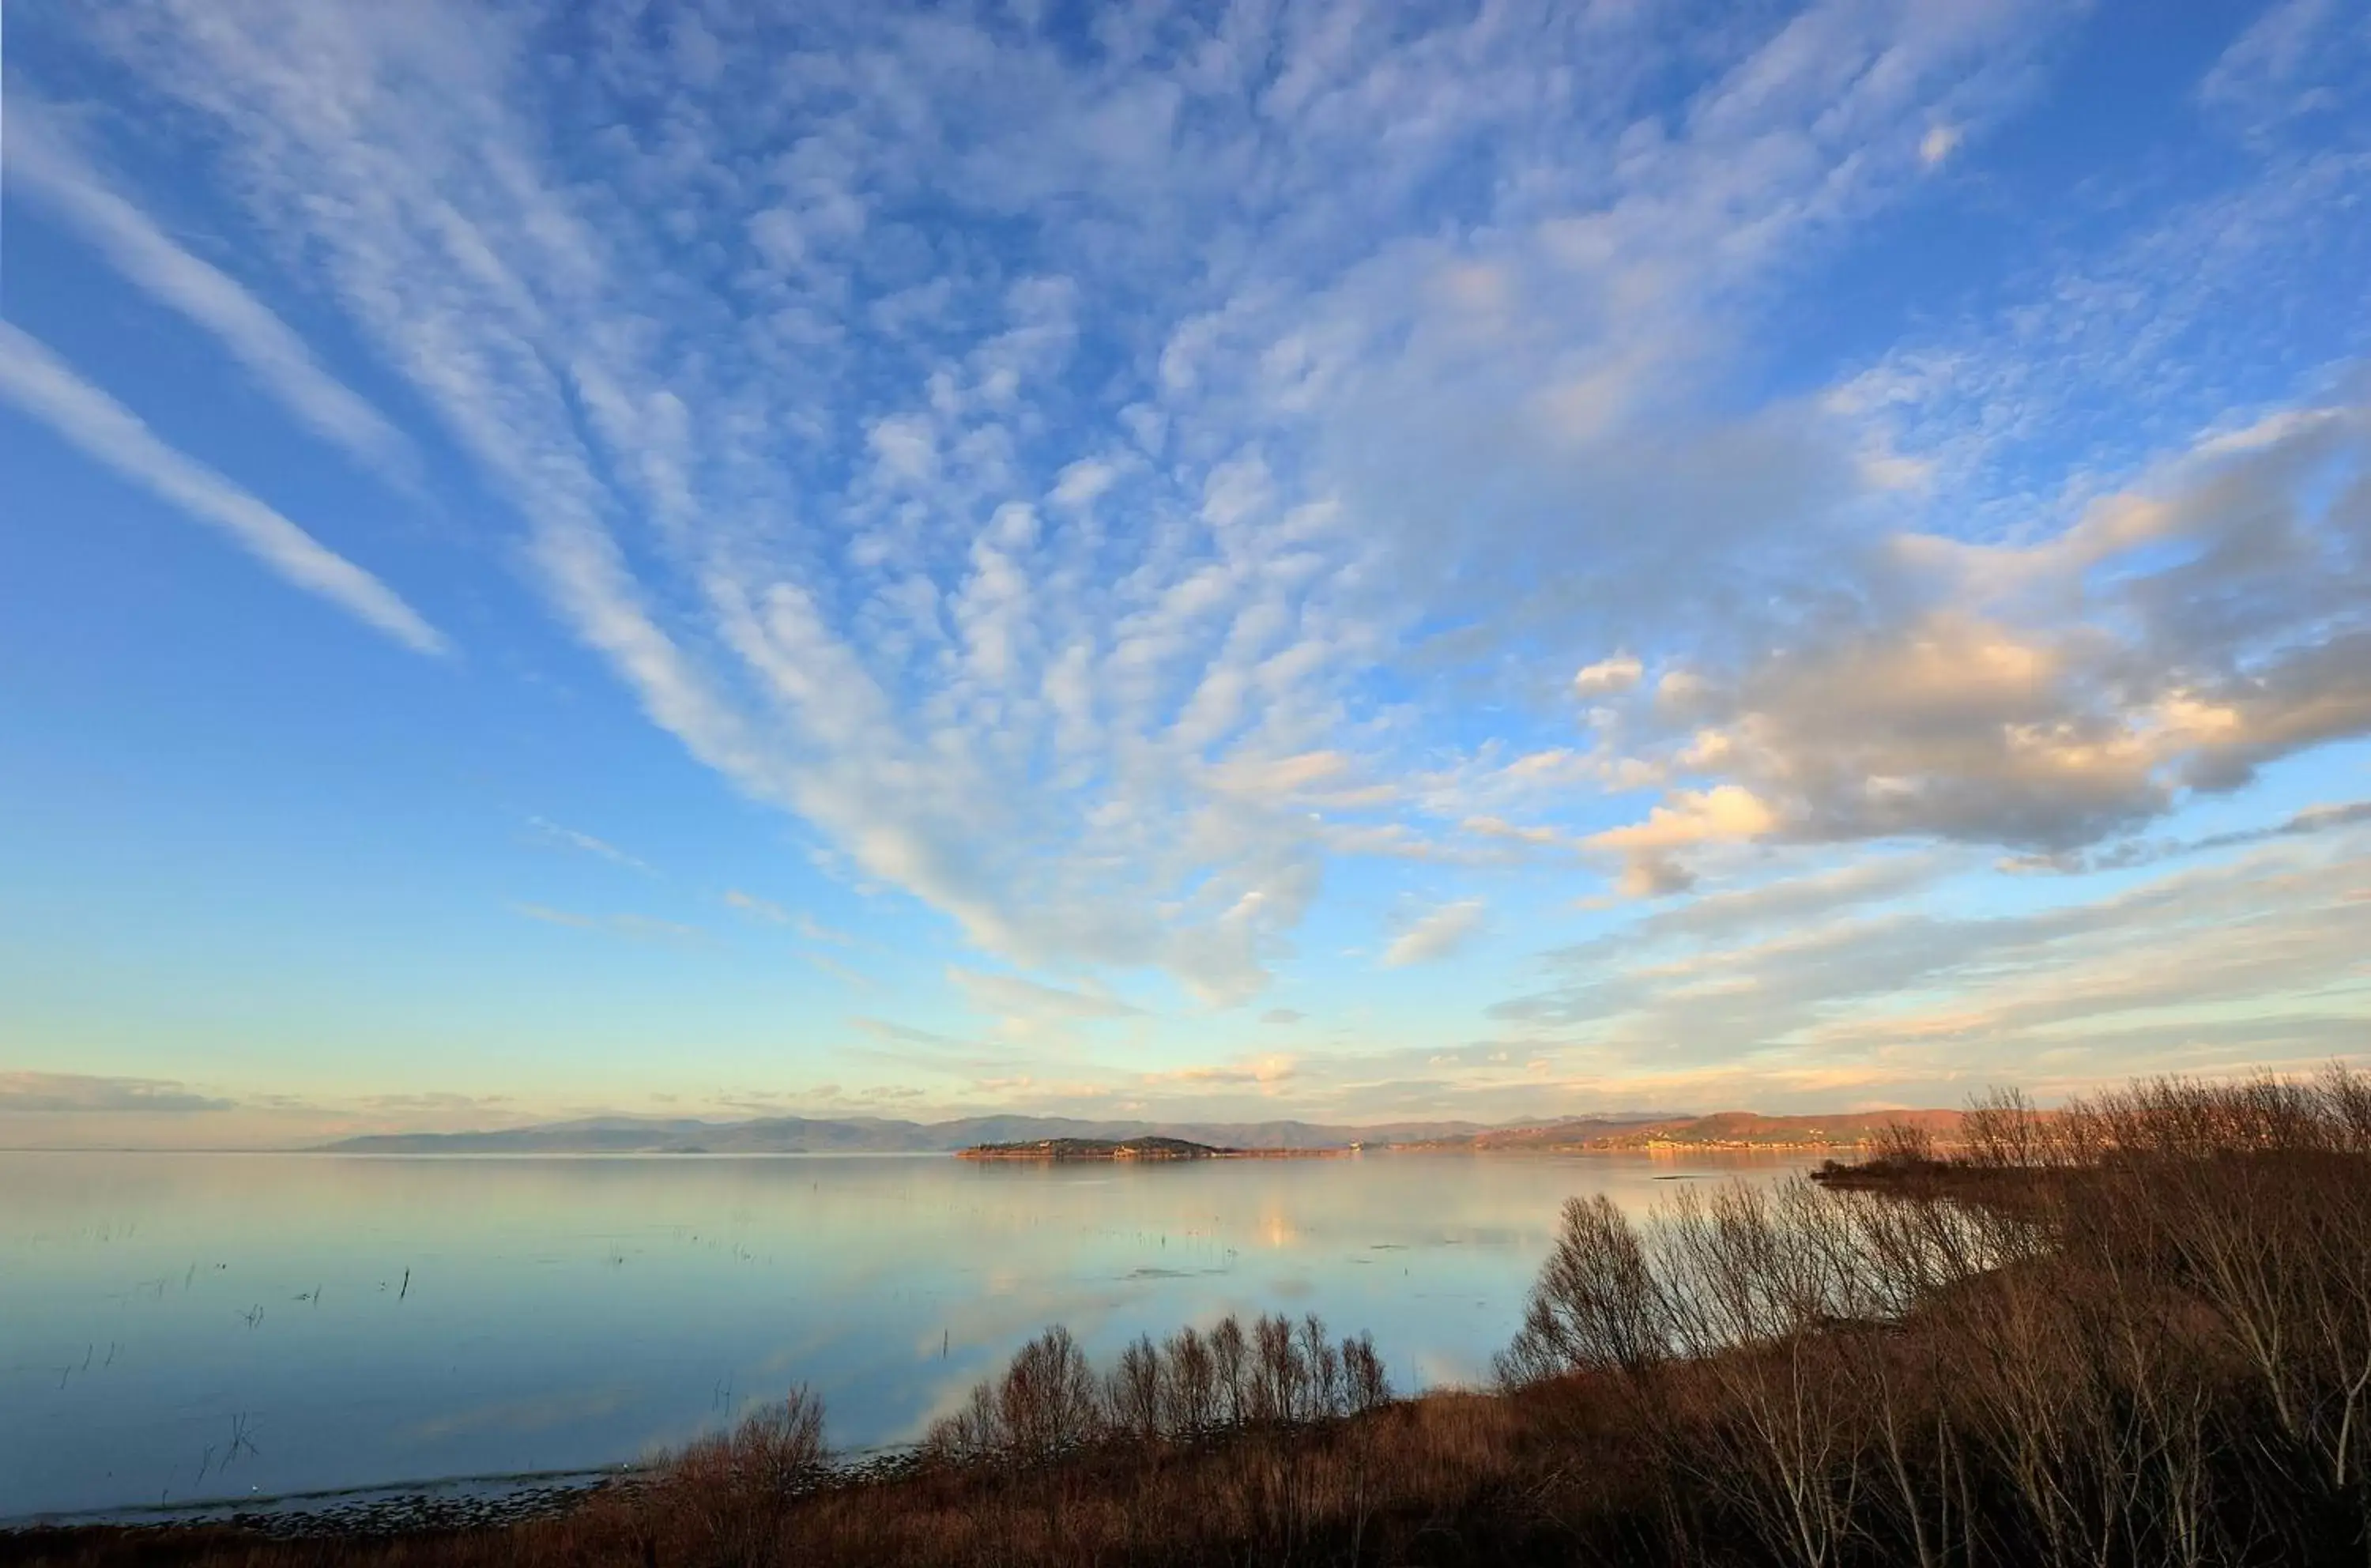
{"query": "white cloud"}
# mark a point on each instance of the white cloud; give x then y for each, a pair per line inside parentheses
(1263, 1073)
(1045, 731)
(2219, 969)
(569, 837)
(1436, 934)
(2227, 598)
(815, 930)
(1725, 813)
(756, 908)
(2297, 58)
(1017, 1000)
(1087, 562)
(43, 163)
(43, 386)
(847, 973)
(1515, 832)
(1608, 676)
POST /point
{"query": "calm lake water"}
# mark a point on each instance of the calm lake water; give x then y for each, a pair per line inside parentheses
(182, 1326)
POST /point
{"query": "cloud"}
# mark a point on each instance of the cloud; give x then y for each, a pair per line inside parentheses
(1340, 398)
(1436, 934)
(824, 964)
(1537, 838)
(884, 1029)
(1693, 817)
(441, 1103)
(2217, 969)
(1787, 900)
(1726, 813)
(940, 1055)
(1606, 677)
(1287, 1016)
(75, 1093)
(756, 908)
(2228, 592)
(43, 162)
(804, 925)
(815, 930)
(2141, 852)
(1203, 494)
(45, 388)
(2297, 58)
(1263, 1073)
(1651, 874)
(569, 837)
(1026, 1001)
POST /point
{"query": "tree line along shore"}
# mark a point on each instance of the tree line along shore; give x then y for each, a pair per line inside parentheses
(2134, 1330)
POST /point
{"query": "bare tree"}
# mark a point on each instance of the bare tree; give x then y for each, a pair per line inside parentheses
(1229, 1359)
(1188, 1387)
(1367, 1387)
(1134, 1390)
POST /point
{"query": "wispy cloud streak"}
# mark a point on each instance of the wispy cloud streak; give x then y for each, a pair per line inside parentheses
(570, 838)
(44, 388)
(43, 163)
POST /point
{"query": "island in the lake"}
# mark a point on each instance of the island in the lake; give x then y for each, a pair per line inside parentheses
(1145, 1148)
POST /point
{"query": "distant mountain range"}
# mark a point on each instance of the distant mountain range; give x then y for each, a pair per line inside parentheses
(802, 1134)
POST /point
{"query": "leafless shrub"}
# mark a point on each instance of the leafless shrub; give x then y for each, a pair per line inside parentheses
(1047, 1402)
(1277, 1377)
(1134, 1390)
(972, 1433)
(2003, 1131)
(730, 1489)
(1903, 1146)
(1598, 1303)
(774, 1453)
(1231, 1360)
(1189, 1391)
(1050, 1401)
(1320, 1372)
(1367, 1387)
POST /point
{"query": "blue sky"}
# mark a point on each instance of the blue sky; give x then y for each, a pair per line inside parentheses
(1265, 559)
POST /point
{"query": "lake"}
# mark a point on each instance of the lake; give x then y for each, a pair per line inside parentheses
(183, 1326)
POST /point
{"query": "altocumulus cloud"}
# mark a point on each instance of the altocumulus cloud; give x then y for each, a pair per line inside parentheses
(1101, 481)
(1109, 485)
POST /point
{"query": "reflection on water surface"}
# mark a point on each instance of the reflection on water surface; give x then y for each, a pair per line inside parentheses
(176, 1326)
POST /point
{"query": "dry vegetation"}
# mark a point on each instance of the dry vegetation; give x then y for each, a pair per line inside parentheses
(2134, 1331)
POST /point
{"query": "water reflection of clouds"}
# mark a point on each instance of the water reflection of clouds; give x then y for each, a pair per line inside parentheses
(1448, 1369)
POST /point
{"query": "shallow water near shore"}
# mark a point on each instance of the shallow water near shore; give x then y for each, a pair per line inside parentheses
(182, 1327)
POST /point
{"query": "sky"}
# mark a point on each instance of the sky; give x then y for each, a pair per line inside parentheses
(1242, 561)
